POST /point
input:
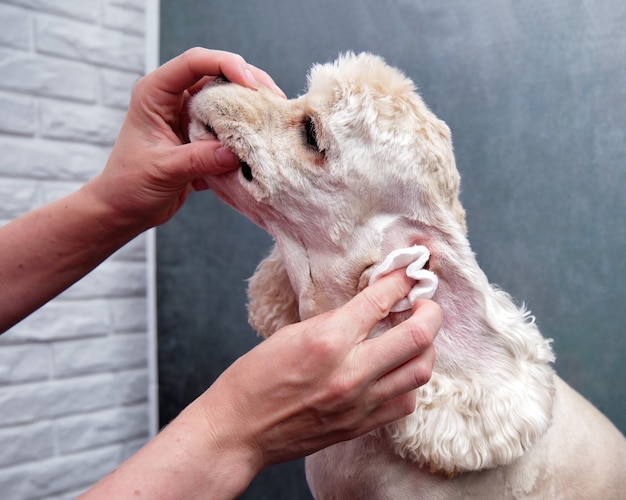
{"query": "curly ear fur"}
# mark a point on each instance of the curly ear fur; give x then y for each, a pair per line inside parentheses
(272, 302)
(484, 418)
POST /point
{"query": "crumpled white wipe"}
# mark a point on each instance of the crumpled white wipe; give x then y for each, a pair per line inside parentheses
(413, 258)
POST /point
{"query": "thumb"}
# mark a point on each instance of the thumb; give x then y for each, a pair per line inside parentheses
(374, 302)
(200, 159)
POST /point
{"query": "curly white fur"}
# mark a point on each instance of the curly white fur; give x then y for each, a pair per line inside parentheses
(343, 175)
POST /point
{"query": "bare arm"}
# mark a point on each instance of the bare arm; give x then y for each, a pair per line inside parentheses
(148, 176)
(48, 249)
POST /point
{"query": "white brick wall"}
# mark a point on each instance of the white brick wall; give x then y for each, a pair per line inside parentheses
(74, 377)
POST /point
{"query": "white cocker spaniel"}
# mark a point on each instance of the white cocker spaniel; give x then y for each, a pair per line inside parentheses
(344, 176)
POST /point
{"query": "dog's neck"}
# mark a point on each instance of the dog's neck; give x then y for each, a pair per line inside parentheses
(489, 352)
(326, 271)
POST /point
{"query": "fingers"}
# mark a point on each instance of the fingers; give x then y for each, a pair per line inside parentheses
(390, 411)
(372, 304)
(224, 160)
(249, 76)
(405, 341)
(266, 80)
(200, 159)
(406, 378)
(387, 412)
(182, 72)
(401, 359)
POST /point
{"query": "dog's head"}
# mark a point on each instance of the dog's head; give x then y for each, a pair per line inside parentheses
(331, 170)
(360, 129)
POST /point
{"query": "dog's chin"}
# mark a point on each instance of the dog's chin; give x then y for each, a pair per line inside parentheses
(232, 190)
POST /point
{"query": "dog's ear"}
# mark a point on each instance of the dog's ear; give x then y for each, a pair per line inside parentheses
(272, 303)
(491, 394)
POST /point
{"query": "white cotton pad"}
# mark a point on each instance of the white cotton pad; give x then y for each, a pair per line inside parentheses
(413, 258)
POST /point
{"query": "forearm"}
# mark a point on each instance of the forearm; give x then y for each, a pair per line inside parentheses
(45, 251)
(186, 460)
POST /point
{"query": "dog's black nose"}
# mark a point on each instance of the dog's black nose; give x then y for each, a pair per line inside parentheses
(246, 171)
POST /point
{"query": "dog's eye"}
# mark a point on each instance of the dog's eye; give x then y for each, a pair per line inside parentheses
(311, 134)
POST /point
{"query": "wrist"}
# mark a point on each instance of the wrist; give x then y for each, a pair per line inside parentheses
(109, 214)
(226, 462)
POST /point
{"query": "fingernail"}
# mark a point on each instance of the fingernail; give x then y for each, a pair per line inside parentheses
(225, 158)
(279, 91)
(250, 79)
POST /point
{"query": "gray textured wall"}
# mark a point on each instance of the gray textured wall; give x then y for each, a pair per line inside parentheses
(535, 95)
(74, 375)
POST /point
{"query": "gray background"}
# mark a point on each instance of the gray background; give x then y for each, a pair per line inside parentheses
(535, 95)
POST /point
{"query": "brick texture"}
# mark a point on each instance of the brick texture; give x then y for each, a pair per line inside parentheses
(74, 376)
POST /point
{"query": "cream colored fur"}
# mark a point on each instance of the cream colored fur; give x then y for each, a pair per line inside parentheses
(357, 167)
